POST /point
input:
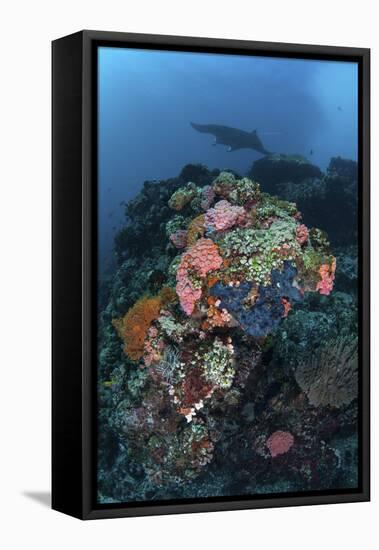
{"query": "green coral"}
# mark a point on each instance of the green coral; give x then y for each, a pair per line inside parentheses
(175, 224)
(183, 196)
(272, 206)
(171, 327)
(245, 190)
(225, 178)
(256, 252)
(319, 239)
(218, 365)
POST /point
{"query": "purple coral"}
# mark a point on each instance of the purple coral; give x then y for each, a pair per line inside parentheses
(207, 196)
(224, 216)
(179, 238)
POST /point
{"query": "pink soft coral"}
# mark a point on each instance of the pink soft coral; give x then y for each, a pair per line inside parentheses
(153, 347)
(302, 234)
(279, 443)
(224, 215)
(199, 259)
(327, 273)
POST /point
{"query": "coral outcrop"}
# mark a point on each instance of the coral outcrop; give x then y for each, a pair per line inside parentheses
(226, 337)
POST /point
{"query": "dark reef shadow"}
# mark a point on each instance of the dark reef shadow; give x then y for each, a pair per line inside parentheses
(42, 497)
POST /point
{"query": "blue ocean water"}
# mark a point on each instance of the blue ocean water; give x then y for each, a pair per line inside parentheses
(228, 306)
(148, 98)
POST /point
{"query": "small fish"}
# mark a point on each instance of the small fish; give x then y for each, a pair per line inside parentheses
(339, 108)
(311, 152)
(110, 215)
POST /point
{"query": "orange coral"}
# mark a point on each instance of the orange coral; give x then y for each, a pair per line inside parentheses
(287, 306)
(212, 281)
(133, 327)
(196, 229)
(216, 317)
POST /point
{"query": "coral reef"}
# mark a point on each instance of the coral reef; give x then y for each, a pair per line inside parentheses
(330, 198)
(227, 336)
(268, 304)
(275, 169)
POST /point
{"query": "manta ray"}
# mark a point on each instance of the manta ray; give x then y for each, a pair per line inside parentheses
(233, 137)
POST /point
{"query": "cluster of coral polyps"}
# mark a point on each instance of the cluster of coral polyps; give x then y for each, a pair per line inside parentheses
(253, 254)
(241, 259)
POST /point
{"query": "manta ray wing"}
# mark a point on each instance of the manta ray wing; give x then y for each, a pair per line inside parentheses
(234, 138)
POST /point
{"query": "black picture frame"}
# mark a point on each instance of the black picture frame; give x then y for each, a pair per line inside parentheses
(74, 204)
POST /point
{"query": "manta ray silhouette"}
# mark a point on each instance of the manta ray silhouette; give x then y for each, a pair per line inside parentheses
(232, 137)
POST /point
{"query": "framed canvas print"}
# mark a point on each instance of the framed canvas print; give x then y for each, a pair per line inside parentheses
(210, 274)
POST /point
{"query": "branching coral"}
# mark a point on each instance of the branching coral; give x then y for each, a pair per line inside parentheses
(330, 375)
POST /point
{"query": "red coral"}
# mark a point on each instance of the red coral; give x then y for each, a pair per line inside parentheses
(279, 443)
(327, 273)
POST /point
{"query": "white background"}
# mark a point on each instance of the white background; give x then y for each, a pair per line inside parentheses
(27, 27)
